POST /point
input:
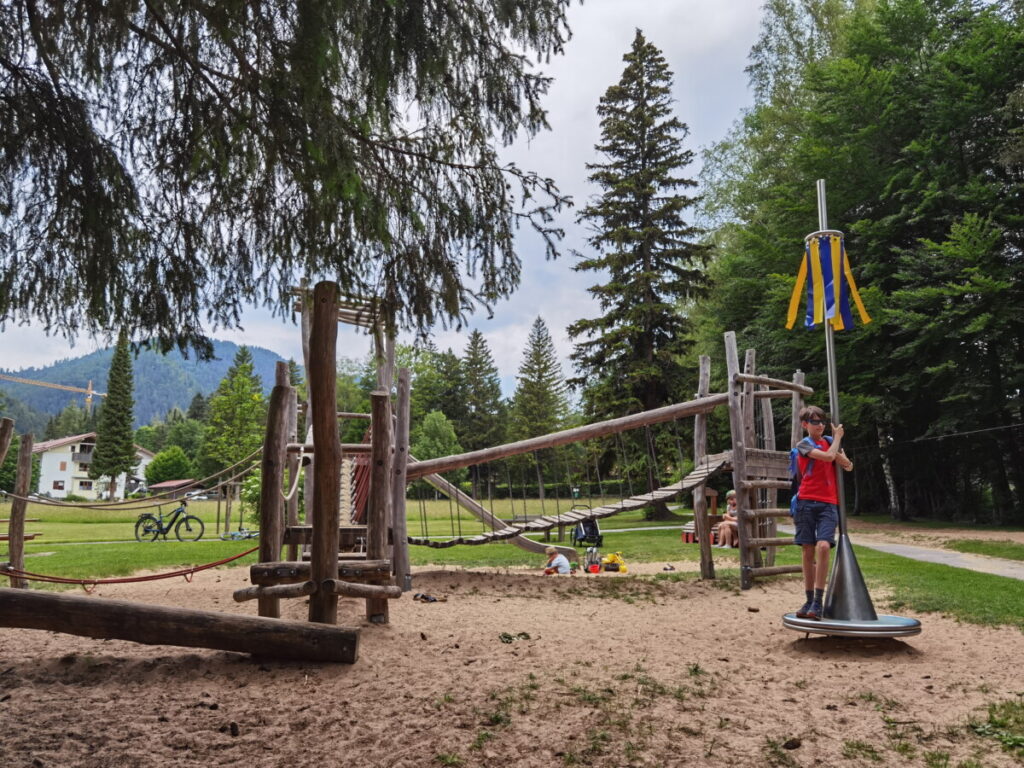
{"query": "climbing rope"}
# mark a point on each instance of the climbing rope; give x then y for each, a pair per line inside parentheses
(90, 584)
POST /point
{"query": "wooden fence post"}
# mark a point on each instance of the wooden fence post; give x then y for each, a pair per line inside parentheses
(272, 481)
(16, 528)
(380, 494)
(323, 375)
(700, 449)
(399, 535)
(6, 434)
(734, 389)
(294, 468)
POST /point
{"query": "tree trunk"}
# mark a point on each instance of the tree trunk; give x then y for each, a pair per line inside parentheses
(890, 485)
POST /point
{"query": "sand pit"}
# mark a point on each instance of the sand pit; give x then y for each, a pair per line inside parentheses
(515, 669)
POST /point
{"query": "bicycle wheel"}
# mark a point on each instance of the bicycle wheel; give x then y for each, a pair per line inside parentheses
(147, 528)
(189, 528)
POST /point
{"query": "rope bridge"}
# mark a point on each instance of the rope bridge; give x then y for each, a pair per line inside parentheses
(708, 466)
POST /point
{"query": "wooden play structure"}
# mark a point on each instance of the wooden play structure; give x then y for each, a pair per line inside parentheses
(354, 541)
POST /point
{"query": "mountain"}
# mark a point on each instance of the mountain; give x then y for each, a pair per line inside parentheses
(161, 382)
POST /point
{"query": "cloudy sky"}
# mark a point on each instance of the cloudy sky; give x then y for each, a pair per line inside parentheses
(706, 43)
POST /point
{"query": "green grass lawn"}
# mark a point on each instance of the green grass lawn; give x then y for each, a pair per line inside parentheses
(1008, 550)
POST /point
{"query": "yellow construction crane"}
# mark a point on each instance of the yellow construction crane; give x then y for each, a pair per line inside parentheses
(88, 392)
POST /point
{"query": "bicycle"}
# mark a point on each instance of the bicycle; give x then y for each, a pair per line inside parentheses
(186, 527)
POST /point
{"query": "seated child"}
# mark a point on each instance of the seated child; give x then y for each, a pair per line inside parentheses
(728, 532)
(556, 563)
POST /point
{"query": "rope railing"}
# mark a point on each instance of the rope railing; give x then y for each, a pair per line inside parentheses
(90, 584)
(134, 504)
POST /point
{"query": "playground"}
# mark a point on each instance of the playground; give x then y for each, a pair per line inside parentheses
(518, 669)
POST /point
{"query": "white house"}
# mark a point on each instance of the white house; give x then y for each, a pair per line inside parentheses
(64, 468)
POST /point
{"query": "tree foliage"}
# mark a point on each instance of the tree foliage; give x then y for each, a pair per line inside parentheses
(628, 358)
(238, 414)
(163, 164)
(170, 464)
(912, 114)
(115, 439)
(540, 403)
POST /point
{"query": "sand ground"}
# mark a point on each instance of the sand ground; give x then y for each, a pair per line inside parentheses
(516, 669)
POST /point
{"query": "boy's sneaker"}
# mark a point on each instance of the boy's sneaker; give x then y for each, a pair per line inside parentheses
(802, 613)
(814, 612)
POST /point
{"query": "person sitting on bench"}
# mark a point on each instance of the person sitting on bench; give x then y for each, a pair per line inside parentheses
(728, 530)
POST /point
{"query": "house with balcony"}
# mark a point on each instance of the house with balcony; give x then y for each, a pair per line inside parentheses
(64, 469)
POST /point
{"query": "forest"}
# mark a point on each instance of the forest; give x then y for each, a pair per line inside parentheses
(911, 110)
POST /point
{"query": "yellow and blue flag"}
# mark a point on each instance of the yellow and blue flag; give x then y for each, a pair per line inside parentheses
(830, 285)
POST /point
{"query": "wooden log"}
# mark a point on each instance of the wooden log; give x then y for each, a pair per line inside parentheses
(274, 591)
(303, 534)
(16, 528)
(6, 435)
(323, 372)
(293, 572)
(162, 625)
(291, 505)
(349, 415)
(308, 462)
(771, 394)
(776, 570)
(750, 440)
(791, 386)
(772, 542)
(272, 482)
(379, 511)
(780, 484)
(399, 534)
(770, 513)
(739, 446)
(377, 592)
(362, 448)
(700, 449)
(796, 431)
(566, 436)
(769, 496)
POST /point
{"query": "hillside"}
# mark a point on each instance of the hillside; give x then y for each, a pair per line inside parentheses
(161, 381)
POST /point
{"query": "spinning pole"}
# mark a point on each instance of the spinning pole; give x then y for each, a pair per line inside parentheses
(848, 609)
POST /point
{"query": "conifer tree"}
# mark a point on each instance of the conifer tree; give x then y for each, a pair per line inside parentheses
(539, 405)
(483, 418)
(627, 358)
(115, 437)
(237, 415)
(185, 158)
(197, 409)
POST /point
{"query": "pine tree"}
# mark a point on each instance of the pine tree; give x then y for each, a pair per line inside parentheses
(198, 408)
(628, 358)
(238, 414)
(483, 417)
(540, 404)
(115, 437)
(259, 141)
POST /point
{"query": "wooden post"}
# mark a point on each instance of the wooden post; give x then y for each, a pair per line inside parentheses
(272, 482)
(700, 449)
(768, 527)
(16, 528)
(739, 459)
(309, 462)
(6, 435)
(163, 625)
(323, 374)
(399, 535)
(292, 504)
(750, 442)
(380, 494)
(796, 431)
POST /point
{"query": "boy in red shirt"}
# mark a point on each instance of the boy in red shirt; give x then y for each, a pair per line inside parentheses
(817, 504)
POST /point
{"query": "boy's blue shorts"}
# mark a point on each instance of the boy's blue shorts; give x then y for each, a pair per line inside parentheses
(815, 521)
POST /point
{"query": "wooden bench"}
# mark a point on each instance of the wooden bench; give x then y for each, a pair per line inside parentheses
(27, 537)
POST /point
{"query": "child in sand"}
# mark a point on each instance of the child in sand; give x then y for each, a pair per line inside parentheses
(556, 563)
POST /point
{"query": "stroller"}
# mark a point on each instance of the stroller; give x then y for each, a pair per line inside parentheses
(587, 532)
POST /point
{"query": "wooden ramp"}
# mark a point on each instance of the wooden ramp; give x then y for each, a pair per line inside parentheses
(708, 466)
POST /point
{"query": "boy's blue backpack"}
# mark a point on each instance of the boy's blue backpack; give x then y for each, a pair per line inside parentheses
(794, 471)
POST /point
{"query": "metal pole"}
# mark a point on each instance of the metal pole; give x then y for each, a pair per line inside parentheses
(847, 597)
(830, 356)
